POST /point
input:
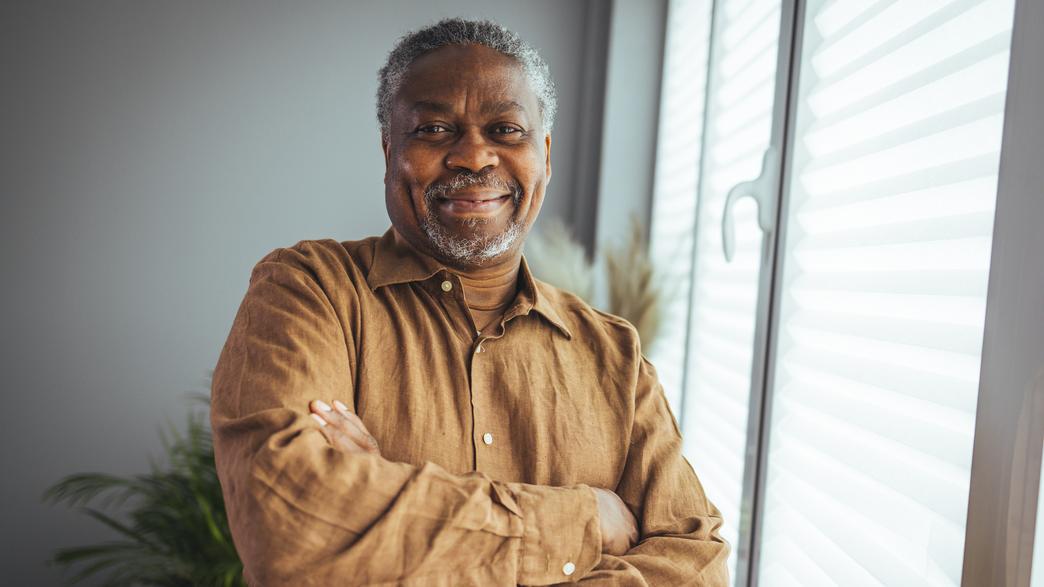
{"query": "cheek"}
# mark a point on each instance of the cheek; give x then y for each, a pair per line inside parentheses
(537, 181)
(404, 188)
(414, 168)
(405, 178)
(536, 200)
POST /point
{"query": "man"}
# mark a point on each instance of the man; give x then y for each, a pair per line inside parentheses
(416, 408)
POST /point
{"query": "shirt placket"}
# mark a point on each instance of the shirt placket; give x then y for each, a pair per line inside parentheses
(490, 434)
(486, 431)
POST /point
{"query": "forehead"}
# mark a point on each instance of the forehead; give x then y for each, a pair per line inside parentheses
(467, 72)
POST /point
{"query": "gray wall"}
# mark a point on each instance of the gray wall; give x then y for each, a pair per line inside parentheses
(631, 117)
(151, 153)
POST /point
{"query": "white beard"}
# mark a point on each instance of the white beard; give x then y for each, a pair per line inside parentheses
(474, 250)
(469, 251)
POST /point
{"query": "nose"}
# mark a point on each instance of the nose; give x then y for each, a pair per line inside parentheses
(472, 152)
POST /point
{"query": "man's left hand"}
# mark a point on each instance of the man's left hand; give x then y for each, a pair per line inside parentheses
(343, 429)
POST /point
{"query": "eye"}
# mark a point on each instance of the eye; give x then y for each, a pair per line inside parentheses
(432, 129)
(506, 129)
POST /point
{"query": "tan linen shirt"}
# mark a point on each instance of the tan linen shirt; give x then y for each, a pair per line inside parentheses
(490, 444)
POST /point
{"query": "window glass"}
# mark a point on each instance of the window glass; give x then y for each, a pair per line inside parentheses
(883, 294)
(708, 347)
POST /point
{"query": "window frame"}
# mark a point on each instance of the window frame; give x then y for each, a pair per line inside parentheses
(1009, 429)
(791, 23)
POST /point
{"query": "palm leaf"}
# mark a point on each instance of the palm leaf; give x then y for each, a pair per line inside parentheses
(172, 526)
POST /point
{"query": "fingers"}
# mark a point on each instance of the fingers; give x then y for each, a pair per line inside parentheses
(342, 428)
(631, 521)
(351, 416)
(339, 430)
(337, 438)
(356, 429)
(632, 537)
(618, 524)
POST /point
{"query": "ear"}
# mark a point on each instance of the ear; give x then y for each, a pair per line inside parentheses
(547, 151)
(386, 151)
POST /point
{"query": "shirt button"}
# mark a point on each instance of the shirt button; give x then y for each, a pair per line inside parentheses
(447, 285)
(487, 438)
(568, 568)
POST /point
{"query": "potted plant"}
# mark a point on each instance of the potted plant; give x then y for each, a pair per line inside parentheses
(173, 531)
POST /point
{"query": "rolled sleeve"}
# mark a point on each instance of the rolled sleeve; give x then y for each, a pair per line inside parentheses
(680, 541)
(562, 539)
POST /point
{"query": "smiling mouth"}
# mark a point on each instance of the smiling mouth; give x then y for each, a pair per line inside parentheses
(467, 204)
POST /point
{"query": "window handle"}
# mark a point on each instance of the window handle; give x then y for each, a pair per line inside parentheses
(762, 189)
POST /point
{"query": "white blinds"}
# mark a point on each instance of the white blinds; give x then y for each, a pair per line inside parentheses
(679, 143)
(724, 295)
(710, 343)
(886, 257)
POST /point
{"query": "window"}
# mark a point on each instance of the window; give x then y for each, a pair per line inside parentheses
(885, 260)
(708, 354)
(838, 444)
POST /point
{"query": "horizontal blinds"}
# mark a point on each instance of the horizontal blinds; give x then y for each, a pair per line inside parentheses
(888, 233)
(678, 148)
(723, 299)
(721, 70)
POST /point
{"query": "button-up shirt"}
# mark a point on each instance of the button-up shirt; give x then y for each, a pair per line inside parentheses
(490, 443)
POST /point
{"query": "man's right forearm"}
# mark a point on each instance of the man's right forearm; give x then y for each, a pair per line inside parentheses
(304, 513)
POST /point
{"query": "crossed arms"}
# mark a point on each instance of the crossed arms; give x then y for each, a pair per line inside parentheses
(304, 511)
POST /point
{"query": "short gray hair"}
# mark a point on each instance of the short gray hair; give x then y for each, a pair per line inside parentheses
(457, 31)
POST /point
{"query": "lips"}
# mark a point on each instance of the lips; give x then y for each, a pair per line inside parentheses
(473, 203)
(472, 195)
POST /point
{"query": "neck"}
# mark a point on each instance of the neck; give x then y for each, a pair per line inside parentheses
(487, 289)
(493, 286)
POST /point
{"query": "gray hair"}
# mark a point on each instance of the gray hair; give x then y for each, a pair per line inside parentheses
(457, 31)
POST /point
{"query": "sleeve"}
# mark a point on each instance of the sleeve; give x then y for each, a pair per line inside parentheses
(304, 513)
(679, 540)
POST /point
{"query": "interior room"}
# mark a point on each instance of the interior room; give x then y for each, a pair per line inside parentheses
(818, 221)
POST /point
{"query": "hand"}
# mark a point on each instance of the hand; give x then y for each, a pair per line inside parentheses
(343, 429)
(619, 528)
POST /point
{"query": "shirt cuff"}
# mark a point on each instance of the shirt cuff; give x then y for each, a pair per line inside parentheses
(562, 537)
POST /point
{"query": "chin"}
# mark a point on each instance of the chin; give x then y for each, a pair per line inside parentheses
(473, 248)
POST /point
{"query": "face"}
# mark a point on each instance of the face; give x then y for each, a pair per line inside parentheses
(467, 159)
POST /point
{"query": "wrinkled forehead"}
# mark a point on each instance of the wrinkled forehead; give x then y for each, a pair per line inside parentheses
(472, 77)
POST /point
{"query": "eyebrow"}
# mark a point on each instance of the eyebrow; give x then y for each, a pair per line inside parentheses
(427, 105)
(491, 108)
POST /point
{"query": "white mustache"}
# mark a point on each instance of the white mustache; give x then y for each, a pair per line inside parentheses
(467, 180)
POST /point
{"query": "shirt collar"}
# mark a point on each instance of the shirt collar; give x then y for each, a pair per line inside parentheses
(544, 299)
(396, 261)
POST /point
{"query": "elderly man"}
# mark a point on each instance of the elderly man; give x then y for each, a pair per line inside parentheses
(417, 408)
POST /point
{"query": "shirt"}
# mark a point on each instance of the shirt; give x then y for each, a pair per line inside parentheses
(490, 444)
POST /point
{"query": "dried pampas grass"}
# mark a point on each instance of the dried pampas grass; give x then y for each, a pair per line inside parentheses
(555, 257)
(634, 290)
(635, 293)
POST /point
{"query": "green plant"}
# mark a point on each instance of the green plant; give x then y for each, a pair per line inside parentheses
(174, 533)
